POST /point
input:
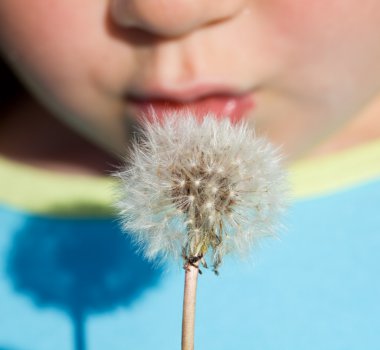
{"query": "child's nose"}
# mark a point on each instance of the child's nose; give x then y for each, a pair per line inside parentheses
(170, 18)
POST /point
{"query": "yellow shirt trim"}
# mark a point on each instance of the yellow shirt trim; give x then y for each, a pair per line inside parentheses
(42, 191)
(46, 192)
(322, 175)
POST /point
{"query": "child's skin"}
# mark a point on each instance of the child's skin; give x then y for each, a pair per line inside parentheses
(312, 66)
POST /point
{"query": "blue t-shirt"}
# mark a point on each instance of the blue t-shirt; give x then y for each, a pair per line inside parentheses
(69, 279)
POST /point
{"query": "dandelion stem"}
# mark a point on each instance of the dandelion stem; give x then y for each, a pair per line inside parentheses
(188, 317)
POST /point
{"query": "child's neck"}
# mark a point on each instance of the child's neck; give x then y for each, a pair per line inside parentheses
(30, 134)
(363, 128)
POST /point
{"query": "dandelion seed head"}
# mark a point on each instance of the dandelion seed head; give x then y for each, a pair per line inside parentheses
(200, 188)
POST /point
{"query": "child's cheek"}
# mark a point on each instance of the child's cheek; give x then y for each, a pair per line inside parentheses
(319, 22)
(331, 45)
(58, 48)
(44, 41)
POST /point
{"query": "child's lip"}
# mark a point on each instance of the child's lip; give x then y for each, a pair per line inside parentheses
(198, 99)
(233, 107)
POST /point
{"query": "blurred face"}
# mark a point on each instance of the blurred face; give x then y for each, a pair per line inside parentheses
(307, 66)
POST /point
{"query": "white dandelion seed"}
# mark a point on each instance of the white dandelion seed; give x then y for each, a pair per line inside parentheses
(200, 189)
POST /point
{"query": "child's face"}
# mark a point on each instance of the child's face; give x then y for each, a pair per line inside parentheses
(310, 65)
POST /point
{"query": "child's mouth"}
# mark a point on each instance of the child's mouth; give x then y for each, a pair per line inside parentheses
(235, 107)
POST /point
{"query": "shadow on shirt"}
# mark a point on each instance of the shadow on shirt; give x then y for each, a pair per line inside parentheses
(80, 266)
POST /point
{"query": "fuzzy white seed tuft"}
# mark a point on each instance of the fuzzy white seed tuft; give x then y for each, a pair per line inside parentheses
(197, 183)
(209, 205)
(200, 189)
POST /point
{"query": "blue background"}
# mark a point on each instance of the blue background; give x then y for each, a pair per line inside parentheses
(78, 284)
